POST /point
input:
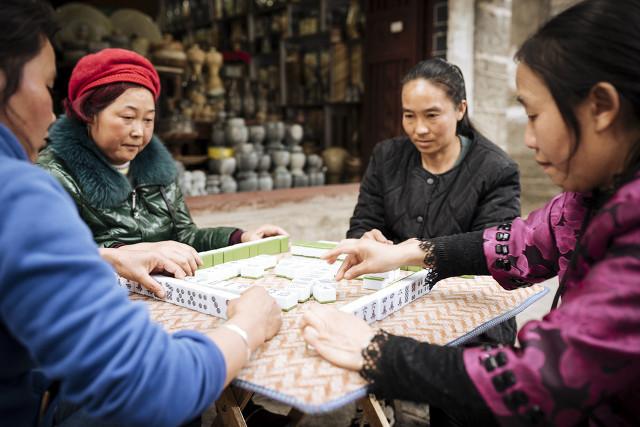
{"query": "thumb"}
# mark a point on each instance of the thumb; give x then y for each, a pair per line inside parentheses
(357, 270)
(310, 335)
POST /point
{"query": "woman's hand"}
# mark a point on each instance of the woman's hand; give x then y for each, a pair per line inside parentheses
(338, 337)
(257, 313)
(183, 255)
(137, 265)
(376, 235)
(266, 230)
(368, 256)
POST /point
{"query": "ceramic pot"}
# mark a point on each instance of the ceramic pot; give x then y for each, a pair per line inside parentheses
(294, 134)
(334, 158)
(275, 131)
(280, 158)
(224, 166)
(228, 184)
(247, 181)
(281, 177)
(298, 159)
(265, 182)
(247, 159)
(235, 132)
(257, 133)
(265, 163)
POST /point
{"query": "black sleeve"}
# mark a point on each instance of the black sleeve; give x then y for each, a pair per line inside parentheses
(501, 202)
(369, 211)
(403, 368)
(459, 254)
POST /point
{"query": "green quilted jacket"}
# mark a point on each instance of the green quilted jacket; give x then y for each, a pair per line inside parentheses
(146, 206)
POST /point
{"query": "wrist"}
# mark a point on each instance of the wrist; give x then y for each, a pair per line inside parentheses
(410, 253)
(254, 337)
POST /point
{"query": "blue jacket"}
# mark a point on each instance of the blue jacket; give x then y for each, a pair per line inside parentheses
(62, 312)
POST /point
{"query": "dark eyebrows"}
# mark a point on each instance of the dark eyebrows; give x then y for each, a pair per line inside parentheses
(427, 111)
(135, 109)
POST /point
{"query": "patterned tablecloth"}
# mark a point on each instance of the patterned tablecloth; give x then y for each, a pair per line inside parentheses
(285, 370)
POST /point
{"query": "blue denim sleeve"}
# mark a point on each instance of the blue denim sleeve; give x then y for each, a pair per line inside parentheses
(60, 301)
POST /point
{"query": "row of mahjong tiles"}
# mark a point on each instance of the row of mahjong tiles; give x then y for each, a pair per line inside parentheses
(210, 290)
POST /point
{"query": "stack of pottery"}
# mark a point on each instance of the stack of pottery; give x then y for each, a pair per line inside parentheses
(223, 164)
(217, 131)
(257, 134)
(198, 183)
(298, 158)
(280, 155)
(237, 135)
(213, 184)
(315, 170)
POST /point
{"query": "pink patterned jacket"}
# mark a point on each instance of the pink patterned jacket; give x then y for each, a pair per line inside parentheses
(581, 363)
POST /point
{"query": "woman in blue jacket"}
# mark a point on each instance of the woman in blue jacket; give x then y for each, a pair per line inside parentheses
(61, 311)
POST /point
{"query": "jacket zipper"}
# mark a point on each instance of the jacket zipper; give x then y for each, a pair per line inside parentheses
(134, 212)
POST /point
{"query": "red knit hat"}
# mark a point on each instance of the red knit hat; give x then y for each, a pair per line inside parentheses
(112, 66)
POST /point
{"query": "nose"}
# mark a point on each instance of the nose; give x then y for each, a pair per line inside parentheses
(421, 127)
(136, 129)
(529, 137)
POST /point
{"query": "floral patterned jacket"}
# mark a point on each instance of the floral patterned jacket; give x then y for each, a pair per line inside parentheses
(583, 359)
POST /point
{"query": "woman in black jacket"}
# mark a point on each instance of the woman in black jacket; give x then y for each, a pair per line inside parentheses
(442, 178)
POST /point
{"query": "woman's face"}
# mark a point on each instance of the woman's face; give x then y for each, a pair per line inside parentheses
(597, 158)
(429, 116)
(125, 127)
(29, 111)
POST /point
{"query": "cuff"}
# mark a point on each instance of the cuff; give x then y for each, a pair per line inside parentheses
(236, 237)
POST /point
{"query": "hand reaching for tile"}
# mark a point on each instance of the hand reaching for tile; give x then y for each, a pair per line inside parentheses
(338, 337)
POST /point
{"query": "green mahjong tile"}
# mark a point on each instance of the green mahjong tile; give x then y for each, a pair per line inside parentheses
(242, 252)
(253, 250)
(284, 244)
(468, 276)
(413, 268)
(218, 258)
(315, 245)
(207, 261)
(229, 254)
(271, 247)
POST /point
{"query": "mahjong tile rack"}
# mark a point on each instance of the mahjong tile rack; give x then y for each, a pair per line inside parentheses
(284, 369)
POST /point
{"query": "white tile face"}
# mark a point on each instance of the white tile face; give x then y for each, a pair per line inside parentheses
(286, 299)
(324, 293)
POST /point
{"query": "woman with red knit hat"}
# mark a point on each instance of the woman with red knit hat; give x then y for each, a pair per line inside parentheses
(121, 177)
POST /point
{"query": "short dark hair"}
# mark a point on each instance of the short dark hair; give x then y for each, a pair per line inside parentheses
(96, 100)
(450, 78)
(591, 42)
(26, 25)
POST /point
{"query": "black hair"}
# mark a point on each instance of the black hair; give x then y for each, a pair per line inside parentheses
(449, 77)
(591, 42)
(26, 25)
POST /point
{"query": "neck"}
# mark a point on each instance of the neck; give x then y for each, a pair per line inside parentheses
(442, 160)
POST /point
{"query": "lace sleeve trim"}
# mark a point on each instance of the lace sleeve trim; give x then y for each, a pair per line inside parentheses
(429, 249)
(371, 355)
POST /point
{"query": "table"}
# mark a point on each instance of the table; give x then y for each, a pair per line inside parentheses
(283, 369)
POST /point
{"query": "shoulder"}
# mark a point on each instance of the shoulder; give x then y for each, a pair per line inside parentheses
(488, 151)
(393, 149)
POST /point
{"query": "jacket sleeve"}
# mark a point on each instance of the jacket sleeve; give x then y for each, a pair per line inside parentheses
(501, 201)
(585, 352)
(369, 211)
(202, 239)
(61, 301)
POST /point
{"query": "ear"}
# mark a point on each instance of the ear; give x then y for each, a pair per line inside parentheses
(604, 105)
(461, 110)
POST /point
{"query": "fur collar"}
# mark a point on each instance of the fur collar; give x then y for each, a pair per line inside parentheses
(101, 183)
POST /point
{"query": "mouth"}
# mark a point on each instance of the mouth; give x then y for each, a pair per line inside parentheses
(543, 164)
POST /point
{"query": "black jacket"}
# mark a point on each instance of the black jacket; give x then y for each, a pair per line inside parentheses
(403, 200)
